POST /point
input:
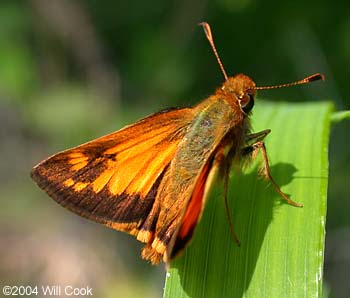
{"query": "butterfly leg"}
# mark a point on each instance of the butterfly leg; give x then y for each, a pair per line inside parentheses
(222, 162)
(258, 136)
(260, 146)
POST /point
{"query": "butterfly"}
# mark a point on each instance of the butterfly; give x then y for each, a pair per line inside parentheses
(151, 179)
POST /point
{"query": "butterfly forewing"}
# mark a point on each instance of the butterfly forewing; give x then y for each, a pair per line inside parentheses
(114, 179)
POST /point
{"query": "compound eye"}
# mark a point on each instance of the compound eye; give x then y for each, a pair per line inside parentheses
(247, 102)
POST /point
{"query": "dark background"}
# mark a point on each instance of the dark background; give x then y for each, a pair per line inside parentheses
(71, 71)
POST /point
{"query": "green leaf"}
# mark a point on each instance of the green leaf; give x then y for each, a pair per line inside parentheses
(340, 116)
(282, 246)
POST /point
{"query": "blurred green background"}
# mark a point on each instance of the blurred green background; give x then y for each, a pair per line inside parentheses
(71, 71)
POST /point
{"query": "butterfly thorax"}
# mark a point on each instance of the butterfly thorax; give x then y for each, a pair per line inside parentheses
(216, 120)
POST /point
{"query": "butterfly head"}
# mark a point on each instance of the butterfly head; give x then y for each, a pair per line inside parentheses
(242, 87)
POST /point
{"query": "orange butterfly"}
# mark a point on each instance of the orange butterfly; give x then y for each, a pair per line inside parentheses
(151, 179)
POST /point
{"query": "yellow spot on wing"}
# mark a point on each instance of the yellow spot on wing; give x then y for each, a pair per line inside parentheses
(102, 180)
(74, 161)
(69, 182)
(77, 160)
(79, 166)
(76, 155)
(80, 186)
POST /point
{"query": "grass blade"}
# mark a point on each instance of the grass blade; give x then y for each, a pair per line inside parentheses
(282, 248)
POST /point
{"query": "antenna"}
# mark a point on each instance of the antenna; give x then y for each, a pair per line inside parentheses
(209, 36)
(309, 79)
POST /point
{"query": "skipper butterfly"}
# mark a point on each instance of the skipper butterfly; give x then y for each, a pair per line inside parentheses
(151, 179)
